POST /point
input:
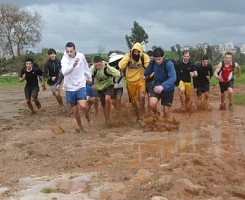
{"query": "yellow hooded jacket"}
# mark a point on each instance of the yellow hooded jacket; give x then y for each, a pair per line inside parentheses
(135, 70)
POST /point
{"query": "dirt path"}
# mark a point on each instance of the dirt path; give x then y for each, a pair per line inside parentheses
(41, 156)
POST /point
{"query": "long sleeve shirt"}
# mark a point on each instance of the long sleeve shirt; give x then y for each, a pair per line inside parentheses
(52, 68)
(75, 77)
(102, 80)
(163, 75)
(203, 72)
(134, 69)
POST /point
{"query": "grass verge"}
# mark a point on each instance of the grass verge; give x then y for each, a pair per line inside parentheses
(239, 99)
(10, 80)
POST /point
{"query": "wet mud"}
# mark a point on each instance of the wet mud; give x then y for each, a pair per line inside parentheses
(197, 154)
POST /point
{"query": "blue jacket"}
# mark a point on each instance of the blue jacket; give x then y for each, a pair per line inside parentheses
(165, 77)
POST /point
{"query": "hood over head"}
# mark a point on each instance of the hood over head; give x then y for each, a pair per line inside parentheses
(138, 46)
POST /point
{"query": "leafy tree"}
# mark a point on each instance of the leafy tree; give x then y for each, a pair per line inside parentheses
(19, 28)
(138, 34)
(216, 54)
(178, 50)
(173, 49)
(237, 50)
(196, 54)
(238, 56)
(154, 47)
(210, 53)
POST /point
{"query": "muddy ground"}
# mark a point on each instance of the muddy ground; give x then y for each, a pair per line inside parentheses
(43, 158)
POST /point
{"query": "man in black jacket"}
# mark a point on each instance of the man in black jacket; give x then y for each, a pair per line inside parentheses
(201, 82)
(52, 70)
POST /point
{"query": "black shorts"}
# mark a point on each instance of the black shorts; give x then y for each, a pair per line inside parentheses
(103, 93)
(117, 92)
(225, 85)
(148, 87)
(31, 92)
(202, 88)
(166, 97)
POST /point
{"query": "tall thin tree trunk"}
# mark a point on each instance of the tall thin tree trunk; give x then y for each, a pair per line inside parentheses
(19, 66)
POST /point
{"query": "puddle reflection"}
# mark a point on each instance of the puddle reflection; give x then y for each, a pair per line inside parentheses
(209, 142)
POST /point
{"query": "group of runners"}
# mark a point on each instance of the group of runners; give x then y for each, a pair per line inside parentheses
(86, 81)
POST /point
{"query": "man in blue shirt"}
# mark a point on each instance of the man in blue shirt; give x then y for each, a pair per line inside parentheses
(163, 82)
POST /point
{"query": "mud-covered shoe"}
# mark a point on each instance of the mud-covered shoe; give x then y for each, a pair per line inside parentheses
(230, 107)
(107, 121)
(80, 130)
(38, 104)
(63, 109)
(139, 121)
(33, 112)
(222, 106)
(88, 119)
(182, 108)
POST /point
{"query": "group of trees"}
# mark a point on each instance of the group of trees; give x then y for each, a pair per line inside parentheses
(19, 29)
(138, 34)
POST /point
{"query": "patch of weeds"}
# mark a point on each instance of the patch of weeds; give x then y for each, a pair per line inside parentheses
(100, 176)
(236, 129)
(73, 176)
(48, 190)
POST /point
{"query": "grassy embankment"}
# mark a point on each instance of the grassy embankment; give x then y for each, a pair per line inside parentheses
(10, 80)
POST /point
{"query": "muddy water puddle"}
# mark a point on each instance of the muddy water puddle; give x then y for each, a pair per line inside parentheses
(207, 150)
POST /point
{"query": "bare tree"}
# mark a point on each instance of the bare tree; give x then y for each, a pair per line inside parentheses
(4, 50)
(101, 49)
(8, 18)
(19, 28)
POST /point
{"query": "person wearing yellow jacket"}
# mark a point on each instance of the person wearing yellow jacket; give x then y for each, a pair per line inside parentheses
(132, 62)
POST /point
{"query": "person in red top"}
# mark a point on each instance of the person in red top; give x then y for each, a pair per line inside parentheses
(224, 73)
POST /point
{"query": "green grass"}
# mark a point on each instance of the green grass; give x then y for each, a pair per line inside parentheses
(48, 190)
(9, 80)
(239, 99)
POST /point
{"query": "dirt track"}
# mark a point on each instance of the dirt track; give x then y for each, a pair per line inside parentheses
(41, 156)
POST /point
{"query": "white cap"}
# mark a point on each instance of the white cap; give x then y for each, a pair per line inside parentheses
(114, 57)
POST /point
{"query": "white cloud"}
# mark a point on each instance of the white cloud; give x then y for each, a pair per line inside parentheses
(105, 23)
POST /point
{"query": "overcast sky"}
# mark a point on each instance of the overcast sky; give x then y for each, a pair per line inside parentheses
(90, 23)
